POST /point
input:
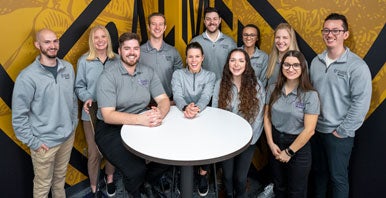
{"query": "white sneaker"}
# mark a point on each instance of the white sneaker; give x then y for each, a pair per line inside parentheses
(268, 192)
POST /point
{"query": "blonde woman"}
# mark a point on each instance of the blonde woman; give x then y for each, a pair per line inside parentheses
(284, 40)
(90, 66)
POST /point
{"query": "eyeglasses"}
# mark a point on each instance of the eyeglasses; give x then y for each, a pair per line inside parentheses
(249, 35)
(294, 66)
(334, 32)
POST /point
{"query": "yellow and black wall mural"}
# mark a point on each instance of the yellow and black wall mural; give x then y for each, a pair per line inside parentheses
(72, 19)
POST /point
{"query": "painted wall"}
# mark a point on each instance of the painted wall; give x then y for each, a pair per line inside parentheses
(72, 20)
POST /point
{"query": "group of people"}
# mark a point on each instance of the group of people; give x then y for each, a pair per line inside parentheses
(309, 114)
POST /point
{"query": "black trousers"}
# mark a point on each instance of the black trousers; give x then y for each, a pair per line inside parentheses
(291, 179)
(134, 169)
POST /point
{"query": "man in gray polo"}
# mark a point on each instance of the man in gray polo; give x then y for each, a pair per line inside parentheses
(215, 44)
(123, 93)
(159, 55)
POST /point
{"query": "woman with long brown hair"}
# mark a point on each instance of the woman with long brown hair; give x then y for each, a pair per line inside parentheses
(291, 112)
(240, 92)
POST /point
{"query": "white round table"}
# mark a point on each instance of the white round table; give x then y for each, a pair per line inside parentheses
(214, 135)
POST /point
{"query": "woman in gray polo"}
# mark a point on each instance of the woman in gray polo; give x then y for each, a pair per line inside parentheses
(291, 112)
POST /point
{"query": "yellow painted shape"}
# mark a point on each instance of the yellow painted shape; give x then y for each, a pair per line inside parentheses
(379, 90)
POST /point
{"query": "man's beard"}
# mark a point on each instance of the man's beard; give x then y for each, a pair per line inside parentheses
(45, 53)
(130, 64)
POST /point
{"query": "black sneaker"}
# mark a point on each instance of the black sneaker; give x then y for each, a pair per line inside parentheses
(110, 188)
(97, 194)
(203, 185)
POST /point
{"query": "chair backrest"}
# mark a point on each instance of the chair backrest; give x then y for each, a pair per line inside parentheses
(93, 115)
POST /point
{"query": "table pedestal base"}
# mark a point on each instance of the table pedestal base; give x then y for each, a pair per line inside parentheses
(187, 181)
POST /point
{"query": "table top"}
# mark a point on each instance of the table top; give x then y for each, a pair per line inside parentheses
(214, 135)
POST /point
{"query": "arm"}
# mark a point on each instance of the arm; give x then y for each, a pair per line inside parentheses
(216, 91)
(21, 106)
(263, 77)
(308, 131)
(81, 81)
(268, 133)
(177, 61)
(177, 88)
(207, 93)
(360, 91)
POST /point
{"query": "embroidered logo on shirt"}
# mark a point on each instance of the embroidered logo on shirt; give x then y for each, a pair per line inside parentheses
(168, 58)
(143, 82)
(66, 76)
(299, 105)
(225, 46)
(340, 73)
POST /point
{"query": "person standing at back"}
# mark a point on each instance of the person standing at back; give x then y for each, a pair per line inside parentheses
(283, 41)
(216, 44)
(343, 81)
(45, 115)
(259, 59)
(90, 67)
(159, 55)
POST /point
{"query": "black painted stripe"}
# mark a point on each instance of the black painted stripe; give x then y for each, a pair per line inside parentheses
(376, 56)
(142, 22)
(113, 31)
(185, 21)
(6, 87)
(225, 13)
(134, 23)
(80, 25)
(161, 6)
(273, 18)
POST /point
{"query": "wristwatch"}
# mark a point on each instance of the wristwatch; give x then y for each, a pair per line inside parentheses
(290, 151)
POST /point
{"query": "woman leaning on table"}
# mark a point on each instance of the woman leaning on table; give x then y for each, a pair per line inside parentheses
(240, 92)
(291, 112)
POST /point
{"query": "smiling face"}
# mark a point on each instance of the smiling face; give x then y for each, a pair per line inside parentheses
(249, 37)
(282, 40)
(157, 27)
(237, 63)
(212, 22)
(100, 40)
(291, 68)
(48, 44)
(130, 52)
(334, 41)
(194, 58)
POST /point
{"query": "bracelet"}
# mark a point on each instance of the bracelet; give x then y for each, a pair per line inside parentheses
(286, 152)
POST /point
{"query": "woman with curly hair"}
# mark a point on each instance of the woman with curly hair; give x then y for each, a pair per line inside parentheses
(241, 93)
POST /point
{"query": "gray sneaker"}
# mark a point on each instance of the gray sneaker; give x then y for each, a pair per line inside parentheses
(268, 192)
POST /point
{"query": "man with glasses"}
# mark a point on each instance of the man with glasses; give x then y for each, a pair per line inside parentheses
(343, 81)
(215, 44)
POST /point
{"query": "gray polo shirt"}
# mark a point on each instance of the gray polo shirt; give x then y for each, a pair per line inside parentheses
(127, 93)
(164, 62)
(259, 62)
(287, 113)
(215, 53)
(345, 92)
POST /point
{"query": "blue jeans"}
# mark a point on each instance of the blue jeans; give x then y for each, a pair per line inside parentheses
(291, 179)
(135, 170)
(330, 161)
(235, 172)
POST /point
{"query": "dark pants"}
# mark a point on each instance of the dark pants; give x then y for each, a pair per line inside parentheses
(135, 170)
(291, 179)
(330, 156)
(235, 172)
